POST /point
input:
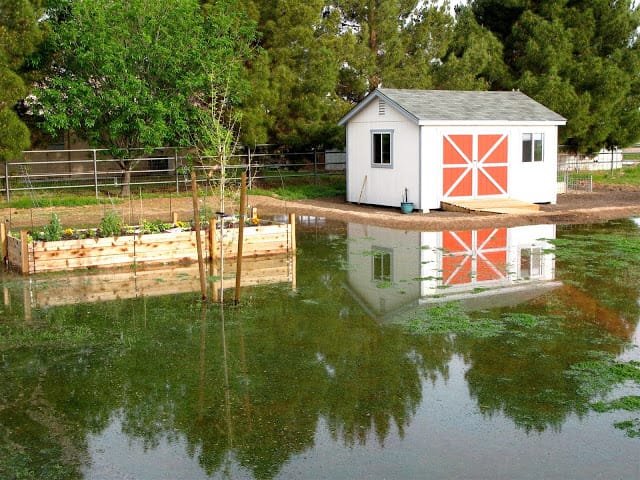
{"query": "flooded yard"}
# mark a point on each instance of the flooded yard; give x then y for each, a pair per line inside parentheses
(497, 353)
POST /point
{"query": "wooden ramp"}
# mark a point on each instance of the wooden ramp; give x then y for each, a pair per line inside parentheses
(490, 206)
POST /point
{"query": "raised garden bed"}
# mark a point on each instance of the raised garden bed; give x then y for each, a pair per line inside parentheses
(29, 256)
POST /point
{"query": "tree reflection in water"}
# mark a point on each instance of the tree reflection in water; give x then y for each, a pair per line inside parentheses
(250, 386)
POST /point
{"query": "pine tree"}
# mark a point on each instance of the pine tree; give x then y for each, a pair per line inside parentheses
(580, 58)
(319, 58)
(19, 37)
(294, 77)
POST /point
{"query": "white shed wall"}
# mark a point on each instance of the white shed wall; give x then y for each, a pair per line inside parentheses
(383, 185)
(405, 266)
(533, 182)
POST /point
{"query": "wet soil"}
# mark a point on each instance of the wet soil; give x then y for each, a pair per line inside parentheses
(604, 203)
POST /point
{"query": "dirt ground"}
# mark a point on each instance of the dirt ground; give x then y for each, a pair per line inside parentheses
(579, 207)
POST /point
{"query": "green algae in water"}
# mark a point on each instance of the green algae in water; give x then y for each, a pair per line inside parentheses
(450, 318)
(597, 377)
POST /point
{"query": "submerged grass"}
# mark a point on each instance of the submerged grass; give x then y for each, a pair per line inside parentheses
(51, 336)
(450, 317)
(598, 376)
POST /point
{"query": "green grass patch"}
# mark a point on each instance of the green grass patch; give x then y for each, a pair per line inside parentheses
(325, 187)
(624, 176)
(300, 192)
(54, 201)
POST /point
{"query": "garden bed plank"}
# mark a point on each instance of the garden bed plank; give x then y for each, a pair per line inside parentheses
(157, 248)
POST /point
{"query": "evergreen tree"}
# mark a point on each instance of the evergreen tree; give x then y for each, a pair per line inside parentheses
(580, 58)
(294, 77)
(19, 37)
(397, 42)
(473, 59)
(319, 58)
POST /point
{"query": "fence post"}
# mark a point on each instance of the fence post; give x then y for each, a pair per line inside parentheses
(315, 167)
(249, 163)
(612, 161)
(6, 179)
(95, 172)
(175, 169)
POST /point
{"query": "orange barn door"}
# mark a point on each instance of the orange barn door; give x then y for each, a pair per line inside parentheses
(474, 256)
(474, 165)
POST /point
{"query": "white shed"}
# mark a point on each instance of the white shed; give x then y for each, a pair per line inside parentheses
(443, 145)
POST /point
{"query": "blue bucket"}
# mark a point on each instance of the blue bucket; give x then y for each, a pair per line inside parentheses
(406, 207)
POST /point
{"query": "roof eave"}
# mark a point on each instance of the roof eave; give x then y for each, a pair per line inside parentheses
(368, 99)
(491, 123)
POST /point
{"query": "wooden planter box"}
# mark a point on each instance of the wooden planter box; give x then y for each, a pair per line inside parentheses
(154, 281)
(159, 248)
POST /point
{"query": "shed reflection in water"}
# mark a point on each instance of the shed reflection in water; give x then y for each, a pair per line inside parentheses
(309, 384)
(391, 269)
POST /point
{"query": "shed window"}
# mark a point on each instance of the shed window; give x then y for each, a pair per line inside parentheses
(381, 148)
(530, 263)
(382, 260)
(532, 147)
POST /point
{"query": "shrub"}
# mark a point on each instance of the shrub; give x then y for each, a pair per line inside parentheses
(111, 225)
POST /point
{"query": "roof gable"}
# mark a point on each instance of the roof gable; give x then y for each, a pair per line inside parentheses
(454, 106)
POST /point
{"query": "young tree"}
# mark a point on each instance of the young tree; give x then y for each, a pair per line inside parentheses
(19, 37)
(132, 74)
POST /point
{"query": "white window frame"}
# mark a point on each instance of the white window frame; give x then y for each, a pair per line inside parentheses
(531, 263)
(534, 153)
(382, 258)
(381, 163)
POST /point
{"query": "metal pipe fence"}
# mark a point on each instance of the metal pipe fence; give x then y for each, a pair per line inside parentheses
(575, 171)
(96, 172)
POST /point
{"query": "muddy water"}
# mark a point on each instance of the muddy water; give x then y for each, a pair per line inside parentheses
(393, 354)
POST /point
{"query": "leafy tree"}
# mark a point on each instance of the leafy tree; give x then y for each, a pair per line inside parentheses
(133, 74)
(19, 36)
(580, 58)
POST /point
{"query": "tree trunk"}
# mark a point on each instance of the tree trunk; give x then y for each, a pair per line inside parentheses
(125, 189)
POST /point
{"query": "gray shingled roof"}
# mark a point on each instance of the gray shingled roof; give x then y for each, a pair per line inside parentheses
(451, 105)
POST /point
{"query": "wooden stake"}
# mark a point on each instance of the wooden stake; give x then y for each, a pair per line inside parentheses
(212, 239)
(4, 243)
(196, 221)
(292, 232)
(364, 183)
(24, 252)
(243, 207)
(292, 229)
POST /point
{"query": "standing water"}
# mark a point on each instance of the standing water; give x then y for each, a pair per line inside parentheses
(495, 353)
